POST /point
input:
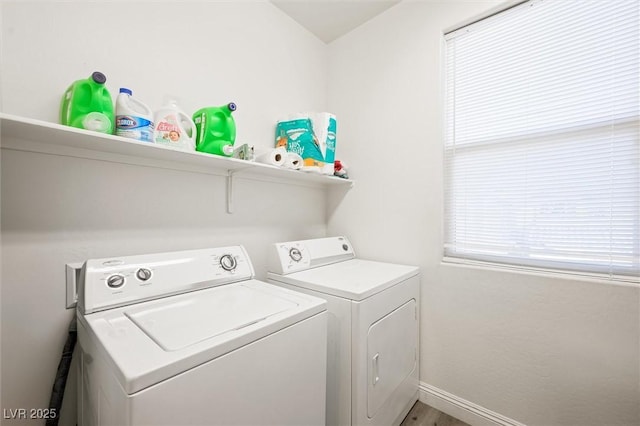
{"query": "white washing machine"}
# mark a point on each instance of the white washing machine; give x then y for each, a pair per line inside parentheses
(190, 338)
(372, 351)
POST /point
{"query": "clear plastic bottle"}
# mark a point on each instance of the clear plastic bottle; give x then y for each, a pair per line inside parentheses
(133, 118)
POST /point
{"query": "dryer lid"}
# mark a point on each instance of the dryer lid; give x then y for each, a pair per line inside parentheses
(354, 279)
(177, 324)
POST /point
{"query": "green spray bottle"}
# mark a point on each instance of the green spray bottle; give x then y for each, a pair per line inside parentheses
(216, 129)
(87, 105)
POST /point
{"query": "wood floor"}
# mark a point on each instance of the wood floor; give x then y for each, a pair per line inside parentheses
(423, 415)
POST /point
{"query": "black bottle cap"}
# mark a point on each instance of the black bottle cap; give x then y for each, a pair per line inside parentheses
(98, 77)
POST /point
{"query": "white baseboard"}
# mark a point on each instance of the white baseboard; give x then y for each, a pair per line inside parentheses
(462, 409)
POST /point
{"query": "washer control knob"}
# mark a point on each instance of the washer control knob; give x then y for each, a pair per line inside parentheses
(295, 254)
(228, 262)
(143, 274)
(115, 281)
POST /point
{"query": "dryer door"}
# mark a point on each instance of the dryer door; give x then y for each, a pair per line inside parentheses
(392, 354)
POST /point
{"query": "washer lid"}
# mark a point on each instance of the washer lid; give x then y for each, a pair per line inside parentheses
(354, 279)
(177, 324)
(147, 343)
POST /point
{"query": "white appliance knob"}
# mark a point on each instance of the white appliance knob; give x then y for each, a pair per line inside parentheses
(228, 262)
(143, 274)
(115, 281)
(295, 254)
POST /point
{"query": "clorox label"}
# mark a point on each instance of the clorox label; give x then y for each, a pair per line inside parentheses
(130, 122)
(133, 127)
(126, 122)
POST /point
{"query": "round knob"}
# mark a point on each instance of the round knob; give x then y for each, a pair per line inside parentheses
(228, 262)
(143, 274)
(295, 254)
(115, 281)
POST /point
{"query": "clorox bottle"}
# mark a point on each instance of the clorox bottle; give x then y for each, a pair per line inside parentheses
(216, 129)
(174, 128)
(87, 104)
(133, 118)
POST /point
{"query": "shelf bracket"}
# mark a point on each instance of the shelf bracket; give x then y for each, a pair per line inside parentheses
(230, 191)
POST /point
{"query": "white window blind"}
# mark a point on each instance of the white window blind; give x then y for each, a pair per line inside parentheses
(542, 151)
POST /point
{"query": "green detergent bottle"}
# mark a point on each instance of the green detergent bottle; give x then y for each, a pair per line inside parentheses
(87, 105)
(216, 129)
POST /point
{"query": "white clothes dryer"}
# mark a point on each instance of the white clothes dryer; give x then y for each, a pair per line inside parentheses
(190, 338)
(372, 349)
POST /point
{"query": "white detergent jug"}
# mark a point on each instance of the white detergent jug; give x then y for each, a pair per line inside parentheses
(174, 128)
(133, 118)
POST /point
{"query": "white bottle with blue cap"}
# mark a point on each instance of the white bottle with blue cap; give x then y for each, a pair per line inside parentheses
(133, 118)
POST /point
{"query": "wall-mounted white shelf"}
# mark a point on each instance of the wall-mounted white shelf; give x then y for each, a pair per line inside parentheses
(26, 134)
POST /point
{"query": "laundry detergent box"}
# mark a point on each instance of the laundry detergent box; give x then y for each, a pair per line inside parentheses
(297, 136)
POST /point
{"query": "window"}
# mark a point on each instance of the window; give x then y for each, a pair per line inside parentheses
(542, 151)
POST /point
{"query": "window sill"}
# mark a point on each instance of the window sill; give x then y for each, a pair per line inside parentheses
(545, 273)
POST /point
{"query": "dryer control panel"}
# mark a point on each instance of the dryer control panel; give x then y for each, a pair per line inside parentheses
(293, 256)
(113, 282)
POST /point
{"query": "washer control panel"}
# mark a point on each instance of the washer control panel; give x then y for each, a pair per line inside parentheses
(294, 256)
(109, 283)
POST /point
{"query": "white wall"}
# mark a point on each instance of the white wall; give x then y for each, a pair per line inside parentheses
(540, 350)
(58, 209)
